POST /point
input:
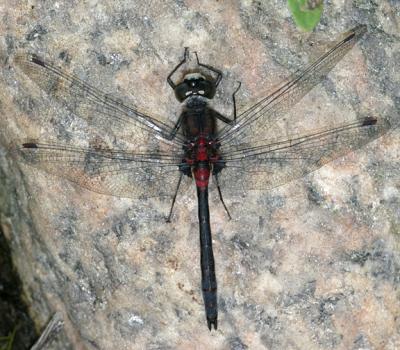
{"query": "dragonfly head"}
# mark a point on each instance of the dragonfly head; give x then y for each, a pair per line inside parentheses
(195, 84)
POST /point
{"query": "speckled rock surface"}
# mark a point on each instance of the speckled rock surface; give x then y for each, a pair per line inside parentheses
(314, 264)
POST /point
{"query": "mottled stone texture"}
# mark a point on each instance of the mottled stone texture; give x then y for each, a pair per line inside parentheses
(311, 265)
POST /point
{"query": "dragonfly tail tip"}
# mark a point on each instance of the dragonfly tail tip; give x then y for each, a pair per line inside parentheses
(212, 322)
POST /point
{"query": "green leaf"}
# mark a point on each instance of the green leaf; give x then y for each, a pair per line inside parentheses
(9, 339)
(12, 336)
(306, 13)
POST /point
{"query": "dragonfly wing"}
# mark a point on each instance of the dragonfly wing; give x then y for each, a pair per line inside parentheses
(256, 121)
(262, 166)
(118, 173)
(99, 109)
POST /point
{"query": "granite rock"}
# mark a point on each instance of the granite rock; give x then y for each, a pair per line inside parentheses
(314, 264)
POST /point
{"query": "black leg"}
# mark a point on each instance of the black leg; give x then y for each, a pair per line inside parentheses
(225, 119)
(174, 199)
(177, 126)
(185, 56)
(234, 101)
(220, 197)
(217, 71)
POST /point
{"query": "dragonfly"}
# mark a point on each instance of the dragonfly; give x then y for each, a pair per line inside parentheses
(239, 156)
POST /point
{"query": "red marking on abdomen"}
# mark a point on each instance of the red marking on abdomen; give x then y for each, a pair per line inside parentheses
(202, 154)
(202, 176)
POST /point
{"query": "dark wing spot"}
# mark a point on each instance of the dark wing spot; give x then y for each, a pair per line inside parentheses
(30, 145)
(369, 121)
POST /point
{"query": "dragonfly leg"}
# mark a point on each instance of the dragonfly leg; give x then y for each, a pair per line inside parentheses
(234, 101)
(211, 68)
(169, 79)
(177, 126)
(174, 199)
(225, 119)
(221, 198)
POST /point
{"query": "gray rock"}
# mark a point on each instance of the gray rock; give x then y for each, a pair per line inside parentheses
(313, 264)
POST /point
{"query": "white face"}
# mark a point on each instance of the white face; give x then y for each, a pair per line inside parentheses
(200, 92)
(192, 76)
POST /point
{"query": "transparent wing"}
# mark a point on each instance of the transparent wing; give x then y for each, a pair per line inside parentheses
(113, 172)
(262, 166)
(99, 109)
(256, 121)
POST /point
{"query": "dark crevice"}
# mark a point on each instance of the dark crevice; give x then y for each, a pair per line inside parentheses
(13, 311)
